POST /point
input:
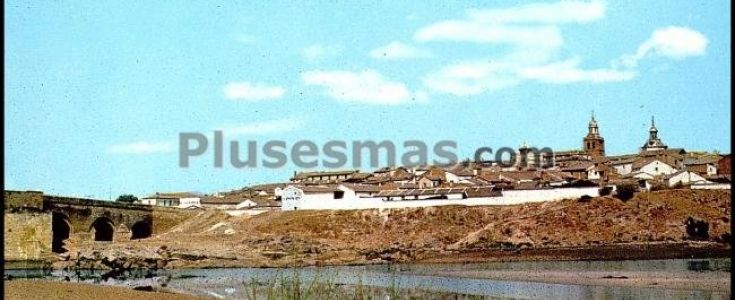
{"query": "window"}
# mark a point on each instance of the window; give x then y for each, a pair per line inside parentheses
(339, 194)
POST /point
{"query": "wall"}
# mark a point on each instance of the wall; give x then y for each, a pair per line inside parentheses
(623, 169)
(713, 186)
(23, 200)
(325, 201)
(685, 178)
(27, 236)
(658, 168)
(189, 202)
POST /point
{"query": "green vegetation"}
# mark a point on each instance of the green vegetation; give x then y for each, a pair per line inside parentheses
(127, 198)
(294, 287)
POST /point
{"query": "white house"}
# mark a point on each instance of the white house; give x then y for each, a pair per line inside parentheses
(190, 202)
(178, 199)
(338, 198)
(684, 177)
(622, 167)
(653, 166)
(296, 197)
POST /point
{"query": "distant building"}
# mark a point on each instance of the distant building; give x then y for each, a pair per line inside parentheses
(702, 166)
(324, 177)
(653, 166)
(593, 148)
(594, 143)
(176, 199)
(724, 164)
(653, 143)
(228, 202)
(684, 178)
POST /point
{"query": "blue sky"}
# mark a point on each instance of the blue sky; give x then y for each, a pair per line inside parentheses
(97, 92)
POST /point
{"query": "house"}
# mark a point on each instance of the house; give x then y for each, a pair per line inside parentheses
(579, 169)
(227, 202)
(439, 193)
(701, 167)
(724, 164)
(459, 172)
(683, 178)
(294, 196)
(176, 199)
(353, 190)
(653, 166)
(622, 164)
(324, 177)
(556, 178)
(434, 177)
(387, 174)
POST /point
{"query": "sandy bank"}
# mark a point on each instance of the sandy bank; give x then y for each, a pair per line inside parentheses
(718, 281)
(41, 289)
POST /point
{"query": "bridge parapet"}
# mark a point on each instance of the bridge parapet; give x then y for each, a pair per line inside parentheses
(23, 200)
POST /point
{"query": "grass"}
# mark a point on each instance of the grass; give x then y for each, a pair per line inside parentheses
(295, 287)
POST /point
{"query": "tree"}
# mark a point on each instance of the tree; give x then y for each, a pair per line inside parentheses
(127, 198)
(625, 191)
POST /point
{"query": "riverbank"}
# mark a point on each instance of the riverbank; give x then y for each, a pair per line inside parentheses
(648, 226)
(44, 289)
(705, 281)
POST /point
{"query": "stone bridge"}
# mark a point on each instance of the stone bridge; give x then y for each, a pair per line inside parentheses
(38, 224)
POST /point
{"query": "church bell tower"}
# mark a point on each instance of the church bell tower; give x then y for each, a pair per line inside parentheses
(594, 143)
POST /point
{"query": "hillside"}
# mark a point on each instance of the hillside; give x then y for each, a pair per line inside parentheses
(604, 227)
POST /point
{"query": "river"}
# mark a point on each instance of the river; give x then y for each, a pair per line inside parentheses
(649, 279)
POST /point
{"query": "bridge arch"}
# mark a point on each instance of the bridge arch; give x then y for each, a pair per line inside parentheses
(103, 229)
(60, 231)
(140, 230)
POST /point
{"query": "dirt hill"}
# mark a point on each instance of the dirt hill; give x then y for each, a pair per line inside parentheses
(213, 238)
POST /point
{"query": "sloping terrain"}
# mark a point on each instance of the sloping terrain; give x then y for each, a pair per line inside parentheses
(213, 238)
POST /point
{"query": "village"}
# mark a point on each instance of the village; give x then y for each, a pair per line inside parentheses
(534, 177)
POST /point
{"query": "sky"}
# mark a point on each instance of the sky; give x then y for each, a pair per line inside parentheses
(96, 93)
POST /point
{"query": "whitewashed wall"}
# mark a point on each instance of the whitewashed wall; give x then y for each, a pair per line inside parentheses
(657, 167)
(623, 169)
(190, 202)
(712, 186)
(326, 201)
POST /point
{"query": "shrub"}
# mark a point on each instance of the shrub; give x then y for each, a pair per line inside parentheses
(697, 229)
(605, 191)
(661, 186)
(127, 199)
(625, 191)
(584, 198)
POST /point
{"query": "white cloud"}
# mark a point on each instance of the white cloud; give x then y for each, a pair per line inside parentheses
(476, 77)
(318, 51)
(362, 87)
(398, 50)
(550, 13)
(252, 91)
(529, 25)
(261, 128)
(142, 148)
(568, 71)
(671, 42)
(472, 78)
(469, 31)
